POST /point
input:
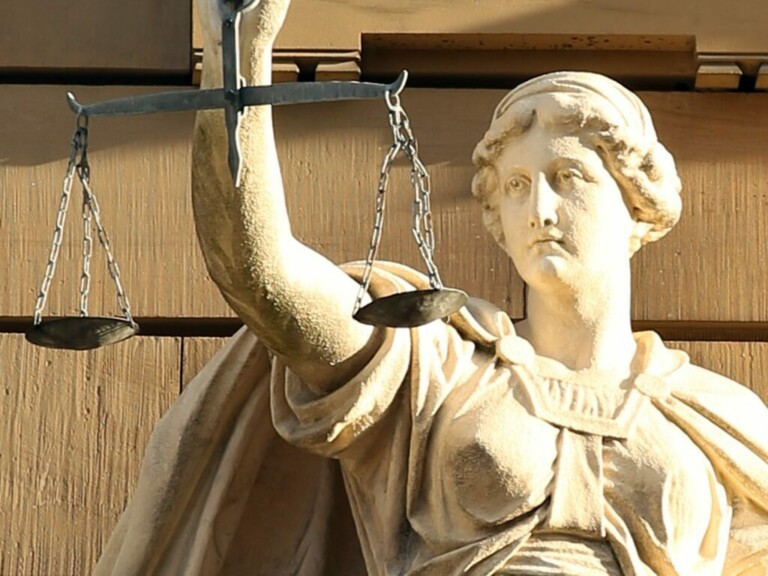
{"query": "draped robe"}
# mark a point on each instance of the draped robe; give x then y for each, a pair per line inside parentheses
(456, 450)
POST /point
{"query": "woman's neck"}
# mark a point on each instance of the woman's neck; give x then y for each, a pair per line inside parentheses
(585, 327)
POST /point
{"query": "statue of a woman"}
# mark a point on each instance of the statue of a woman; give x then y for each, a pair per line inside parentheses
(564, 444)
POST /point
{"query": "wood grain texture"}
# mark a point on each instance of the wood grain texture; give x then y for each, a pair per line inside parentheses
(73, 427)
(717, 26)
(709, 268)
(744, 362)
(196, 354)
(140, 169)
(140, 172)
(139, 37)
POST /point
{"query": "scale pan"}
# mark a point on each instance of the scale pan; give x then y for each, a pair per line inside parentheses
(412, 309)
(81, 332)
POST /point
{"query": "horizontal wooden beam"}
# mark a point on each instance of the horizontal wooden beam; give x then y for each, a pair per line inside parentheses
(688, 331)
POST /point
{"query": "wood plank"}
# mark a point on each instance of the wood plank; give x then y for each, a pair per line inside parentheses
(744, 362)
(140, 169)
(73, 427)
(717, 26)
(196, 354)
(197, 29)
(709, 268)
(475, 66)
(141, 174)
(140, 37)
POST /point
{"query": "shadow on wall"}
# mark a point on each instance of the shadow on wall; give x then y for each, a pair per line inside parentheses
(38, 124)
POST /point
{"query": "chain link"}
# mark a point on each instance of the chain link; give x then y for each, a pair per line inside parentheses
(422, 229)
(85, 277)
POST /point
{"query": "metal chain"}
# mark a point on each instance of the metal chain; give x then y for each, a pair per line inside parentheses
(78, 165)
(85, 277)
(78, 140)
(422, 229)
(378, 223)
(89, 199)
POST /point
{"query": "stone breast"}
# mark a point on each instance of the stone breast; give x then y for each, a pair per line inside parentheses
(496, 459)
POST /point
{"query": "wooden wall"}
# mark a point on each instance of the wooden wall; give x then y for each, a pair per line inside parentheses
(73, 425)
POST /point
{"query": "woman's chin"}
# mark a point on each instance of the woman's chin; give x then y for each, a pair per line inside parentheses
(549, 270)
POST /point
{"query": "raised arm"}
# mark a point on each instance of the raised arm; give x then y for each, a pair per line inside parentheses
(298, 302)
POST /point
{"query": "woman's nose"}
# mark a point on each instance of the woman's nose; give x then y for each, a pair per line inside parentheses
(544, 203)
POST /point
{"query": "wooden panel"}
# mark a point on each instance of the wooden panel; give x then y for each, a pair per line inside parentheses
(710, 267)
(73, 427)
(93, 36)
(718, 26)
(141, 174)
(744, 362)
(707, 269)
(196, 354)
(473, 66)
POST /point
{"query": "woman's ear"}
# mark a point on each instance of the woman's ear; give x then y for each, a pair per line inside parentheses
(639, 235)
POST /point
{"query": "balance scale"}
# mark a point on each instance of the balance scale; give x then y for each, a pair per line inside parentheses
(409, 309)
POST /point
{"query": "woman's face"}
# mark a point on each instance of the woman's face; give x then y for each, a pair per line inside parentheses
(562, 213)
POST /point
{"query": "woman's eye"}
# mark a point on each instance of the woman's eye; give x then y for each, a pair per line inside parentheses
(516, 186)
(569, 176)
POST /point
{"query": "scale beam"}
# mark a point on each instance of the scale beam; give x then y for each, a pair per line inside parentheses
(220, 98)
(274, 95)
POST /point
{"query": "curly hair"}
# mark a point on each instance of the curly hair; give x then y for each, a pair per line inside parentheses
(611, 119)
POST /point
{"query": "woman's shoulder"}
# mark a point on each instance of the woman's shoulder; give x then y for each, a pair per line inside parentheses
(682, 378)
(706, 385)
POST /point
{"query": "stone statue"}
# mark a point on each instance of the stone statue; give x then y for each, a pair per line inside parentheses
(564, 444)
